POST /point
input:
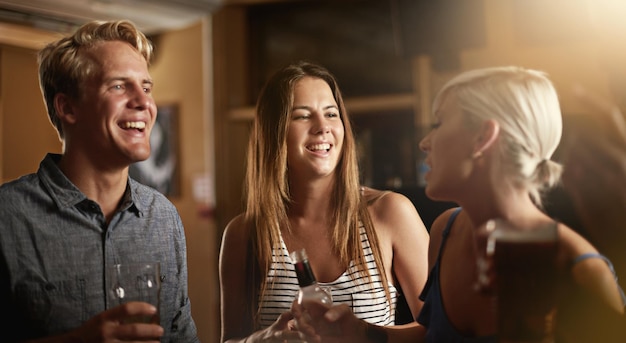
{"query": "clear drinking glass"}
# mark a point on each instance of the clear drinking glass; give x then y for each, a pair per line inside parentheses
(135, 282)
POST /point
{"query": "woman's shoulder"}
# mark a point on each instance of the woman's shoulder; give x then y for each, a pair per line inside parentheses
(234, 245)
(384, 200)
(444, 220)
(572, 243)
(388, 207)
(393, 213)
(588, 268)
(237, 231)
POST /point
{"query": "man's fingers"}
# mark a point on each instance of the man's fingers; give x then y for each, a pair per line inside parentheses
(139, 331)
(132, 312)
(133, 308)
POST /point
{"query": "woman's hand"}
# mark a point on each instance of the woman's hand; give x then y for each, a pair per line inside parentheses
(282, 330)
(484, 242)
(336, 324)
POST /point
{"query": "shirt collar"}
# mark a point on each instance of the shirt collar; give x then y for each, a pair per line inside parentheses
(66, 194)
(132, 198)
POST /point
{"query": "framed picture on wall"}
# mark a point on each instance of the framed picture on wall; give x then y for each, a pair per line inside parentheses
(161, 170)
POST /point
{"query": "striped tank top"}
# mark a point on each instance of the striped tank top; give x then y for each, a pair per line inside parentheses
(367, 300)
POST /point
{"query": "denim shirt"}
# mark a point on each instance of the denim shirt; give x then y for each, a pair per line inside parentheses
(55, 246)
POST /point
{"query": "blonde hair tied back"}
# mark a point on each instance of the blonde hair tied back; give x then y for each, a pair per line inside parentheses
(525, 104)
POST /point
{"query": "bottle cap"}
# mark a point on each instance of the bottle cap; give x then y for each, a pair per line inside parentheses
(303, 268)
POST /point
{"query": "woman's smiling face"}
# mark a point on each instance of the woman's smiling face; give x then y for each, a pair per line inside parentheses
(315, 132)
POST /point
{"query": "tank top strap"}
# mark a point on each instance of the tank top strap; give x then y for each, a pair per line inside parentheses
(446, 230)
(609, 263)
(433, 274)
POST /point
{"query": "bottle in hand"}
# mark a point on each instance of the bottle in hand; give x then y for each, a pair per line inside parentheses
(310, 290)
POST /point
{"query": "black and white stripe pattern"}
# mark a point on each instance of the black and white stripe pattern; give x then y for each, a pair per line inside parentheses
(367, 300)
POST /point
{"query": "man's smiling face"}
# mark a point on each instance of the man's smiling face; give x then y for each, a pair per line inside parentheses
(116, 111)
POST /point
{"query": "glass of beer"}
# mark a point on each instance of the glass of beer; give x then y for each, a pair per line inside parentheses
(524, 262)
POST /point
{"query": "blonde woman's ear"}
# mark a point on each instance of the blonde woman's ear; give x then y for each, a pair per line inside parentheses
(488, 134)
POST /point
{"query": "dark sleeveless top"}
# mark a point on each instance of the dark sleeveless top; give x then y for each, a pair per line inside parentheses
(433, 315)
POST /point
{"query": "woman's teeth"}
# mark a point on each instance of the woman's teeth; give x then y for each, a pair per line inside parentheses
(133, 125)
(317, 147)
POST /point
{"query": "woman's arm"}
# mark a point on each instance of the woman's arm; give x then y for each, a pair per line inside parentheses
(397, 222)
(594, 275)
(591, 309)
(235, 315)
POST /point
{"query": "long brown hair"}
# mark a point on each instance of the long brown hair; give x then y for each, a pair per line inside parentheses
(267, 184)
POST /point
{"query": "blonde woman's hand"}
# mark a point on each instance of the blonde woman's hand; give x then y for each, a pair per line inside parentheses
(335, 324)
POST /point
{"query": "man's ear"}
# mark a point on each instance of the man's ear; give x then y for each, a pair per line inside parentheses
(488, 133)
(64, 108)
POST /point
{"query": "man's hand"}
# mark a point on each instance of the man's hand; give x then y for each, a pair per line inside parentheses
(116, 325)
